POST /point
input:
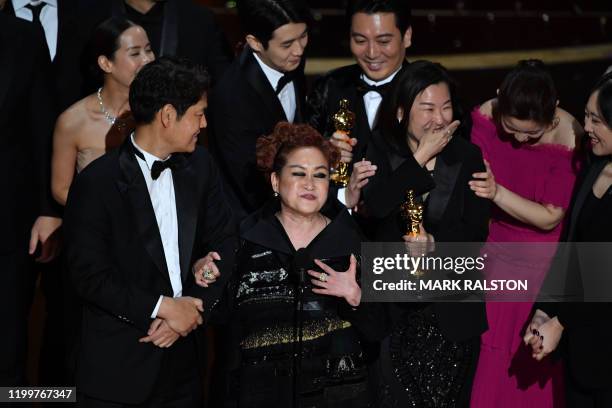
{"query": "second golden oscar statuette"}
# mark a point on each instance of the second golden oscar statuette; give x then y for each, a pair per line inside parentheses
(344, 120)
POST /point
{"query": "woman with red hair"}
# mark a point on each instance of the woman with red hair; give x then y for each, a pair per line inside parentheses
(295, 344)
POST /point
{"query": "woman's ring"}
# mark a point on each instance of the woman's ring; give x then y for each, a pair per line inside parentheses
(323, 277)
(208, 274)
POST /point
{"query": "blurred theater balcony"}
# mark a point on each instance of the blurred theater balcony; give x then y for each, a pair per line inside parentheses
(477, 40)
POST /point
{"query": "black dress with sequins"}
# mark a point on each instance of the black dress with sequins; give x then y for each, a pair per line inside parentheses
(329, 363)
(428, 351)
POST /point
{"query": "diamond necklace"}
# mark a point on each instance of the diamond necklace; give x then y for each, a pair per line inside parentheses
(107, 116)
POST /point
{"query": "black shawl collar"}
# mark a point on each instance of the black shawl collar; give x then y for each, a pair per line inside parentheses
(133, 186)
(446, 172)
(259, 82)
(340, 238)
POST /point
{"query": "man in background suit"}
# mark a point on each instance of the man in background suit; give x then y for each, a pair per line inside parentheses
(26, 121)
(264, 86)
(180, 28)
(135, 222)
(380, 32)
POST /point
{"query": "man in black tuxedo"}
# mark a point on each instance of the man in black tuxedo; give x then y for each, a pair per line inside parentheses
(26, 120)
(380, 32)
(264, 86)
(179, 28)
(135, 221)
(67, 25)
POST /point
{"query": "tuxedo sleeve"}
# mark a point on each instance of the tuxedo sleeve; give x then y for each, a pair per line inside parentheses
(219, 235)
(43, 112)
(317, 114)
(94, 276)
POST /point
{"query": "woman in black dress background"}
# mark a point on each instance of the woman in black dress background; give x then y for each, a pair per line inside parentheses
(428, 351)
(330, 364)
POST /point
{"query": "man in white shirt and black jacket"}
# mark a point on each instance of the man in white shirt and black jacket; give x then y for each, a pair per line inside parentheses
(135, 222)
(380, 32)
(263, 86)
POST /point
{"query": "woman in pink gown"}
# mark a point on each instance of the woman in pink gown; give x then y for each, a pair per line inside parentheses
(529, 144)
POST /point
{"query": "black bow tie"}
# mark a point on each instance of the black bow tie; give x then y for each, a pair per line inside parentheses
(363, 88)
(159, 166)
(284, 80)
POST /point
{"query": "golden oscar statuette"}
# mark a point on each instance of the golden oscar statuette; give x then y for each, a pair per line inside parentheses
(344, 120)
(413, 214)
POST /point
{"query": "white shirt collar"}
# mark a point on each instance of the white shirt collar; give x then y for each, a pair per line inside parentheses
(388, 79)
(273, 75)
(19, 4)
(149, 158)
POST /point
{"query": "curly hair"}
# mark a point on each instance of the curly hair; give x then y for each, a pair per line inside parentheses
(272, 150)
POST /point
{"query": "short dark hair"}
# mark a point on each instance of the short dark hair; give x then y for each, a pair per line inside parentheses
(105, 41)
(400, 8)
(261, 17)
(604, 98)
(167, 80)
(405, 88)
(528, 93)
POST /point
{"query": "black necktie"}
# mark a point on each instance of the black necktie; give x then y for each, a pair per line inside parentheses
(36, 9)
(285, 79)
(363, 88)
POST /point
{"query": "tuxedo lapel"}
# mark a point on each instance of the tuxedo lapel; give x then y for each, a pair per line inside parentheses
(258, 80)
(169, 37)
(187, 201)
(134, 188)
(446, 173)
(583, 192)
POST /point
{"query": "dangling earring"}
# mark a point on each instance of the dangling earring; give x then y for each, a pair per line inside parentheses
(276, 194)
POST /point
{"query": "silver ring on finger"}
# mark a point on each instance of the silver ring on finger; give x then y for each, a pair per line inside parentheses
(208, 274)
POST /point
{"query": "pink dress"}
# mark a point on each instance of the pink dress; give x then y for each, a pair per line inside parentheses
(507, 375)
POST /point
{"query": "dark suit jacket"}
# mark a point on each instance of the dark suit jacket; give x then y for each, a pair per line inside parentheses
(76, 21)
(324, 101)
(453, 214)
(189, 30)
(587, 334)
(116, 261)
(27, 117)
(243, 108)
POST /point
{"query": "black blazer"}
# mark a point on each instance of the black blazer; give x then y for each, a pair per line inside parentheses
(453, 214)
(116, 260)
(76, 20)
(587, 334)
(324, 101)
(244, 107)
(27, 117)
(189, 30)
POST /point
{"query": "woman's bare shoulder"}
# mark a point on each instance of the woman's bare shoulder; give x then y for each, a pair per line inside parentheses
(486, 109)
(74, 120)
(568, 131)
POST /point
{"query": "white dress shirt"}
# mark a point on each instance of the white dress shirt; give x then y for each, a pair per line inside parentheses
(48, 19)
(287, 95)
(372, 99)
(161, 192)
